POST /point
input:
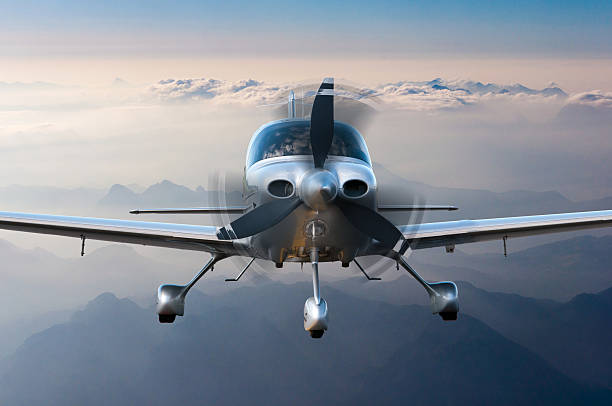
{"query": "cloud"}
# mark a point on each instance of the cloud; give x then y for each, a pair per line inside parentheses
(431, 95)
(242, 92)
(594, 98)
(441, 94)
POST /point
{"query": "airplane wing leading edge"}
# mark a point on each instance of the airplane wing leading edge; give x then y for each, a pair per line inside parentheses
(448, 233)
(181, 236)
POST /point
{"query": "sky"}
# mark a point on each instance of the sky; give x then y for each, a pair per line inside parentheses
(271, 27)
(86, 97)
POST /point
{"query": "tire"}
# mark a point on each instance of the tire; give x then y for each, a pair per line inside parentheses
(316, 333)
(448, 316)
(167, 318)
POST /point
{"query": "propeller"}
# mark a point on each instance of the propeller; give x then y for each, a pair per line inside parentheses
(318, 187)
(322, 122)
(259, 219)
(369, 222)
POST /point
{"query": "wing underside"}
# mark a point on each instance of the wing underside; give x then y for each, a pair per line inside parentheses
(180, 236)
(448, 233)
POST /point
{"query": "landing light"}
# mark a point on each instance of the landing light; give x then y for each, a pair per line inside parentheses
(315, 228)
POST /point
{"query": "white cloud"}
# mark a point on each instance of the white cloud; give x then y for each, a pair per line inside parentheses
(594, 98)
(418, 96)
(242, 92)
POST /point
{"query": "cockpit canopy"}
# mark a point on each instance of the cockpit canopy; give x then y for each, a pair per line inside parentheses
(292, 137)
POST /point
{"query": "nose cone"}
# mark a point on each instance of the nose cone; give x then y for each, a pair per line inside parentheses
(319, 187)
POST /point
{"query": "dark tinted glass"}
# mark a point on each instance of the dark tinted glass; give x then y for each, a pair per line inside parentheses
(292, 137)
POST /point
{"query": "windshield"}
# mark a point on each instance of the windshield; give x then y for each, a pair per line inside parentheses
(292, 137)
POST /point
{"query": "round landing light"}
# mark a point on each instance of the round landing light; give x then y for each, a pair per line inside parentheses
(315, 228)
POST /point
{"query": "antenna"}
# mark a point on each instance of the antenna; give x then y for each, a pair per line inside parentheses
(291, 105)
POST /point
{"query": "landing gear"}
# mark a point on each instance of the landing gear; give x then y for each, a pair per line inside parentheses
(167, 318)
(448, 316)
(316, 333)
(315, 308)
(171, 298)
(443, 296)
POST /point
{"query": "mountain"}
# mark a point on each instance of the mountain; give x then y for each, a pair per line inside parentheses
(22, 198)
(472, 365)
(249, 346)
(574, 336)
(167, 194)
(473, 203)
(393, 189)
(557, 270)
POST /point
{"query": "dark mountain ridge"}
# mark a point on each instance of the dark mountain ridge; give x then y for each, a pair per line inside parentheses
(248, 346)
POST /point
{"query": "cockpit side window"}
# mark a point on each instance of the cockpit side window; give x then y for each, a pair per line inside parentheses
(292, 137)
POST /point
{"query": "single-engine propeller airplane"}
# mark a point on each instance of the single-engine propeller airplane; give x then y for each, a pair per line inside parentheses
(310, 196)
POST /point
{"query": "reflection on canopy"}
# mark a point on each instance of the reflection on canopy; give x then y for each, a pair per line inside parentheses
(292, 137)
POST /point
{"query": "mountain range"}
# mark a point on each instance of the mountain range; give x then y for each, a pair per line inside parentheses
(393, 189)
(249, 347)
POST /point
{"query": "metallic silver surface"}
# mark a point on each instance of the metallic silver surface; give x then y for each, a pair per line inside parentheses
(182, 236)
(291, 239)
(315, 315)
(237, 278)
(318, 188)
(192, 210)
(171, 298)
(443, 296)
(447, 298)
(291, 105)
(314, 259)
(412, 207)
(466, 231)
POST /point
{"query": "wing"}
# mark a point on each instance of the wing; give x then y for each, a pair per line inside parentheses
(193, 210)
(412, 207)
(181, 236)
(448, 233)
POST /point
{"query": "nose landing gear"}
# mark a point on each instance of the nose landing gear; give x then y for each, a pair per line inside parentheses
(315, 308)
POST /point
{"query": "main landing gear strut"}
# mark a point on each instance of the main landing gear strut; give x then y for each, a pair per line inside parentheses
(171, 298)
(443, 296)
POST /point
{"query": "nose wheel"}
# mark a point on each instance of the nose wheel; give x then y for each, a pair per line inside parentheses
(167, 318)
(317, 333)
(315, 308)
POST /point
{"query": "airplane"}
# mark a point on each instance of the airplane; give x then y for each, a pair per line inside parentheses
(310, 196)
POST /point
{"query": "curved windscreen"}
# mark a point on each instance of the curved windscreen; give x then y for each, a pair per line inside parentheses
(292, 137)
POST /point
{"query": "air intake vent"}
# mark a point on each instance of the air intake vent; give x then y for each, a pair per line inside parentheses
(280, 188)
(355, 188)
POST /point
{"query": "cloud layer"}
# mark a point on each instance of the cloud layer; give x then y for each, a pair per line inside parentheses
(595, 98)
(420, 96)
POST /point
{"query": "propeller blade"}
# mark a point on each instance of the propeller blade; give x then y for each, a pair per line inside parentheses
(322, 122)
(259, 219)
(370, 222)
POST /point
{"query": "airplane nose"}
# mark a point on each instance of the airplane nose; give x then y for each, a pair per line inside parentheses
(318, 188)
(328, 192)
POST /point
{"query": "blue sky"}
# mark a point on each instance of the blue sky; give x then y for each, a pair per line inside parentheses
(270, 27)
